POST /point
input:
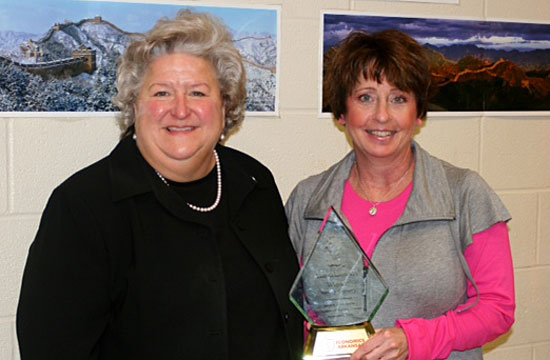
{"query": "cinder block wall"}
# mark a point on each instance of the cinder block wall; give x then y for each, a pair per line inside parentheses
(512, 154)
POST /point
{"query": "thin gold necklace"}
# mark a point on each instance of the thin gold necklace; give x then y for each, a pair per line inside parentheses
(374, 210)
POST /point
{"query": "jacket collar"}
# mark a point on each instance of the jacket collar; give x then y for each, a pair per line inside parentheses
(131, 176)
(430, 198)
(126, 171)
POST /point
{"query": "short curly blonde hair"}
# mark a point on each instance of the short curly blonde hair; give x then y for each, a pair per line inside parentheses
(196, 34)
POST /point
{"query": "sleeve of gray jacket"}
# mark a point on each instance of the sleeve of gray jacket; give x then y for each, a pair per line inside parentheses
(295, 215)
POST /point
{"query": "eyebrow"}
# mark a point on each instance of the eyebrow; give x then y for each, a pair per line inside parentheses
(168, 84)
(364, 88)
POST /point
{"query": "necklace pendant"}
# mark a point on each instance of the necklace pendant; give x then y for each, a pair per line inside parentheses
(373, 210)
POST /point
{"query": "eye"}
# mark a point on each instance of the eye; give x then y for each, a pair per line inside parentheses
(365, 98)
(400, 99)
(197, 93)
(161, 93)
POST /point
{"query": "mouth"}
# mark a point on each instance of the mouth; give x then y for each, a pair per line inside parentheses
(175, 129)
(381, 133)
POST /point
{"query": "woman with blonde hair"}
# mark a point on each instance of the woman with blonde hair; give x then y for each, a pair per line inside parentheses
(173, 246)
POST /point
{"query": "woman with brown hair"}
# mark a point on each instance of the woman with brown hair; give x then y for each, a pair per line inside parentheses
(436, 233)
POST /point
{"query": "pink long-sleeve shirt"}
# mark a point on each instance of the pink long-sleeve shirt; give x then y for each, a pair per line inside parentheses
(490, 260)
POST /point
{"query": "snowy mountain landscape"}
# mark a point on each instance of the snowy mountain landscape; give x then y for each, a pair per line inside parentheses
(10, 42)
(72, 67)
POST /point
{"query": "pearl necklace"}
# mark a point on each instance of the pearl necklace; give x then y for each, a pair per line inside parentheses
(374, 210)
(219, 192)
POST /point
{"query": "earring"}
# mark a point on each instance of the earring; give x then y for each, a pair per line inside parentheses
(222, 137)
(134, 136)
(341, 120)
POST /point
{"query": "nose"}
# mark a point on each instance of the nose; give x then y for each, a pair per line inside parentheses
(382, 114)
(180, 107)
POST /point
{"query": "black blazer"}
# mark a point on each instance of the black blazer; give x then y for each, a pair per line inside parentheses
(120, 269)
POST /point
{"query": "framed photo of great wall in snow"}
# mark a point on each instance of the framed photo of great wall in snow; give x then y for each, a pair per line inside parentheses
(60, 56)
(487, 67)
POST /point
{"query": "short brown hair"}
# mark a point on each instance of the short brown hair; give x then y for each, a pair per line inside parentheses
(389, 55)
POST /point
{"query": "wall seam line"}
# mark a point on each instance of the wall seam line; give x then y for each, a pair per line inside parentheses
(10, 166)
(538, 230)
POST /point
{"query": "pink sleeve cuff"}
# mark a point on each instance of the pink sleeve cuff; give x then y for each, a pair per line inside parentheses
(422, 334)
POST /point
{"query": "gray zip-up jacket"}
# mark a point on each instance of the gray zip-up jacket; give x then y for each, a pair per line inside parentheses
(421, 255)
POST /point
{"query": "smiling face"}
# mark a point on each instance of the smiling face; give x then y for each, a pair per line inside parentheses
(380, 120)
(179, 116)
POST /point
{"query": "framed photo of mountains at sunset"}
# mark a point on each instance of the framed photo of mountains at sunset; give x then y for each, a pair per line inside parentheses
(478, 66)
(60, 56)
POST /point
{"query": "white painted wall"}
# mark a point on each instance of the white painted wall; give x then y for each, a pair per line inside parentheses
(512, 154)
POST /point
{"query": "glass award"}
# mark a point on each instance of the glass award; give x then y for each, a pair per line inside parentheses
(338, 291)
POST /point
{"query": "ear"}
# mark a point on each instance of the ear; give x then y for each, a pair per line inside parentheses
(224, 122)
(342, 120)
